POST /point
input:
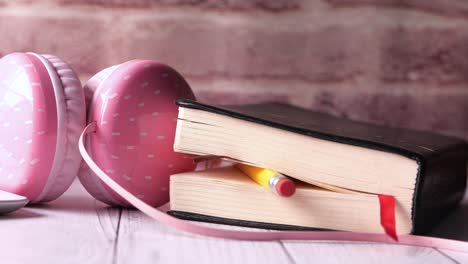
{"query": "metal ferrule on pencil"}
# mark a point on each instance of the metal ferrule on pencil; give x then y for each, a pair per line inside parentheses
(273, 181)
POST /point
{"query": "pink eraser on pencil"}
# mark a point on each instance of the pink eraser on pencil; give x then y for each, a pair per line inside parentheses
(285, 187)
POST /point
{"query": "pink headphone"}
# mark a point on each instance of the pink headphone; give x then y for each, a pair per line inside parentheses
(128, 156)
(43, 112)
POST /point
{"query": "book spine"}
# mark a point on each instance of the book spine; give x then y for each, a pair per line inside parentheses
(440, 186)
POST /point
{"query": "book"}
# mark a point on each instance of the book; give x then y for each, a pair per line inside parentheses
(226, 194)
(425, 172)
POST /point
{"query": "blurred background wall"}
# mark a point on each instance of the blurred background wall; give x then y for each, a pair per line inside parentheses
(400, 63)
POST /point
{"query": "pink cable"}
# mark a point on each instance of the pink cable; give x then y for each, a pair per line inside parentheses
(189, 227)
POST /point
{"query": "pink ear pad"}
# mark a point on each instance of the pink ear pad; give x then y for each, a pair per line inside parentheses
(42, 113)
(135, 111)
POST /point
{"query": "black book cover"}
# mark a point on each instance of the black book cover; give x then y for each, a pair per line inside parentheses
(237, 222)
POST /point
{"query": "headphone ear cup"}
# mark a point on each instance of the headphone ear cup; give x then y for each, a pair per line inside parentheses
(43, 113)
(135, 113)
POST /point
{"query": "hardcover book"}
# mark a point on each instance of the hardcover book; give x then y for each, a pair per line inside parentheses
(425, 172)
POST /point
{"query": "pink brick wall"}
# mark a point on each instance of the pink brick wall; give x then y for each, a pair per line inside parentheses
(400, 63)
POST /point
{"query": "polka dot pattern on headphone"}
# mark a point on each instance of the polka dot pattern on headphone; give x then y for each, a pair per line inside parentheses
(134, 108)
(42, 112)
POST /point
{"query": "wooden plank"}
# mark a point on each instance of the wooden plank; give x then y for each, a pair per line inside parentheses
(456, 257)
(337, 252)
(73, 229)
(142, 240)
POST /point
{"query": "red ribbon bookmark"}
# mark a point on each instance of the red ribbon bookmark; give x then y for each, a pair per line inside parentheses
(387, 215)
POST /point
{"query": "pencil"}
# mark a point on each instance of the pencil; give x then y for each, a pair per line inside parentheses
(271, 180)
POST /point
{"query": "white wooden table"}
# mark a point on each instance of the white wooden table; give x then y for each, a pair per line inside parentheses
(78, 229)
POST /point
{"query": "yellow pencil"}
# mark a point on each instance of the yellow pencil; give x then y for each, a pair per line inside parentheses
(271, 180)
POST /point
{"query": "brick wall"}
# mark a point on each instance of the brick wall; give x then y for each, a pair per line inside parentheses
(400, 63)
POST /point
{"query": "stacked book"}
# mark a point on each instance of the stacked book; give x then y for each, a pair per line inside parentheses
(340, 168)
